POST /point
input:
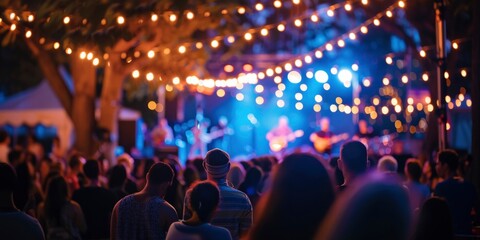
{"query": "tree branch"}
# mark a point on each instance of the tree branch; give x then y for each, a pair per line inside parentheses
(50, 72)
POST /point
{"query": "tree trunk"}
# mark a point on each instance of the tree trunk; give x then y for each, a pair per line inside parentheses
(110, 102)
(83, 107)
(50, 72)
(475, 94)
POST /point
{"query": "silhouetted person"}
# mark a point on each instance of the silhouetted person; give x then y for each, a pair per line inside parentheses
(116, 181)
(60, 217)
(353, 161)
(190, 175)
(235, 210)
(128, 162)
(251, 184)
(300, 196)
(418, 192)
(434, 221)
(387, 164)
(145, 215)
(97, 203)
(203, 201)
(14, 224)
(375, 207)
(4, 145)
(459, 194)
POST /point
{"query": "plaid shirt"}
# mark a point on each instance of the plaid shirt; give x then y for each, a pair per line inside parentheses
(234, 211)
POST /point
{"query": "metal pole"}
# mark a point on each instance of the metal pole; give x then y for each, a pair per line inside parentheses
(440, 32)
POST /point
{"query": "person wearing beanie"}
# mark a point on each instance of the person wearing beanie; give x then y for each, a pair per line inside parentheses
(235, 210)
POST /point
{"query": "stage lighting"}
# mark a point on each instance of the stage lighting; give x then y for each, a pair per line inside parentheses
(345, 76)
(294, 77)
(321, 76)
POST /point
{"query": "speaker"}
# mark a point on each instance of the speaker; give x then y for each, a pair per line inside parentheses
(127, 134)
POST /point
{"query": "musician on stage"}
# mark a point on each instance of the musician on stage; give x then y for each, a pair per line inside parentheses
(220, 134)
(281, 130)
(162, 134)
(364, 133)
(324, 139)
(324, 133)
(199, 139)
(279, 136)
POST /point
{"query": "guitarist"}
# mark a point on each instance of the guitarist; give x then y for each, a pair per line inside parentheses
(324, 133)
(282, 132)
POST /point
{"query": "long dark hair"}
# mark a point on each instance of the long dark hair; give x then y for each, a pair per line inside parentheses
(252, 181)
(299, 199)
(56, 198)
(204, 199)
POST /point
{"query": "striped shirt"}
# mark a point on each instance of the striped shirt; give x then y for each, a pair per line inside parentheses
(234, 211)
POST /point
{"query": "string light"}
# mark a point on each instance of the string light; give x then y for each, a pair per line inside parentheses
(182, 49)
(389, 60)
(176, 80)
(172, 18)
(136, 74)
(281, 27)
(352, 36)
(248, 36)
(330, 13)
(120, 20)
(190, 15)
(214, 44)
(83, 55)
(423, 53)
(298, 23)
(154, 17)
(364, 30)
(28, 34)
(277, 3)
(259, 7)
(264, 32)
(455, 45)
(66, 20)
(348, 7)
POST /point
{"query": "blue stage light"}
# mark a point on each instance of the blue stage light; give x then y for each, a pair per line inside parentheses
(345, 76)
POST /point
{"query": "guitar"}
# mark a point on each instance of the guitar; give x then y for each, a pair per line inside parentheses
(217, 134)
(278, 143)
(323, 144)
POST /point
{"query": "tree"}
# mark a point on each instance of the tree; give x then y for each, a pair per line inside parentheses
(118, 36)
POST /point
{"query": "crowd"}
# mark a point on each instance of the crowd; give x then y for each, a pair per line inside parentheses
(301, 196)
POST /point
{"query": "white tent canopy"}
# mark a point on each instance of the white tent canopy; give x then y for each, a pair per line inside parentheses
(40, 105)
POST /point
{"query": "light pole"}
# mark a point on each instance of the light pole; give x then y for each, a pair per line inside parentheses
(440, 33)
